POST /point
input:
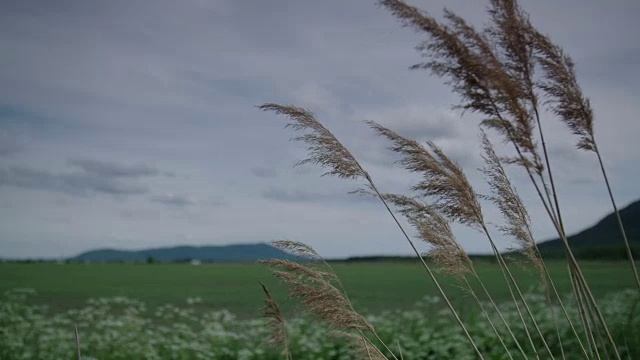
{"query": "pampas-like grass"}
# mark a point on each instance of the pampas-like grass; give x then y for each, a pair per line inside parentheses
(433, 229)
(318, 295)
(275, 323)
(574, 109)
(445, 182)
(493, 74)
(323, 147)
(507, 200)
(327, 151)
(316, 292)
(499, 73)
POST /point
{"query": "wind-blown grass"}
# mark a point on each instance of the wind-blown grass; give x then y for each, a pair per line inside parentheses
(504, 73)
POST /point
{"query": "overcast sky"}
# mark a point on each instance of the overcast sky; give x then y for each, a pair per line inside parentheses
(132, 124)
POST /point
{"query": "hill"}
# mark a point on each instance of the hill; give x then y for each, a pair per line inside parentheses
(603, 240)
(228, 253)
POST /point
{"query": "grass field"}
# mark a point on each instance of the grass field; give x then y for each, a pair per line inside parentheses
(373, 287)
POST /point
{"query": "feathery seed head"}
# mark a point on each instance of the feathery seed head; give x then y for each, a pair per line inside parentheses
(296, 248)
(475, 71)
(275, 322)
(317, 293)
(443, 179)
(506, 198)
(561, 87)
(433, 229)
(323, 147)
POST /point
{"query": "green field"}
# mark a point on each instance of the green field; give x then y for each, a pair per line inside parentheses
(373, 287)
(144, 313)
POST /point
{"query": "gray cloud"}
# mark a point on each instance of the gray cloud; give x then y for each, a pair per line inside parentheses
(173, 200)
(8, 145)
(304, 196)
(262, 172)
(112, 169)
(181, 200)
(80, 184)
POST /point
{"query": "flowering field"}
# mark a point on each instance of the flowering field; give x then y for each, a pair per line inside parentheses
(124, 328)
(165, 311)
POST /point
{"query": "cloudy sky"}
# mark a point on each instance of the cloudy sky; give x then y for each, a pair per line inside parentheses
(131, 124)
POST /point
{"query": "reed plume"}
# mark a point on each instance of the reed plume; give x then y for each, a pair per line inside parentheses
(466, 58)
(325, 150)
(498, 73)
(498, 83)
(314, 289)
(446, 252)
(433, 229)
(443, 180)
(566, 100)
(278, 335)
(506, 198)
(561, 87)
(297, 248)
(323, 147)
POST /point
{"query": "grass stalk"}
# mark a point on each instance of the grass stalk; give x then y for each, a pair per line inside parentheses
(493, 327)
(510, 279)
(365, 338)
(426, 267)
(583, 317)
(78, 343)
(399, 349)
(371, 329)
(562, 306)
(495, 306)
(618, 218)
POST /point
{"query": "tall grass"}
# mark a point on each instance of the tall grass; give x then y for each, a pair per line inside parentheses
(508, 73)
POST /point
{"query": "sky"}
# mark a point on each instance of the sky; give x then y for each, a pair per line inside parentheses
(133, 124)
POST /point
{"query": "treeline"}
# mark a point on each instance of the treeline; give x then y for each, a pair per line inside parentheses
(593, 252)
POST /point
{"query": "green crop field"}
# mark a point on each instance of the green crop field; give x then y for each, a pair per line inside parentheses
(373, 287)
(176, 311)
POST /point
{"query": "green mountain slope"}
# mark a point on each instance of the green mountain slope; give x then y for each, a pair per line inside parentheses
(603, 240)
(228, 253)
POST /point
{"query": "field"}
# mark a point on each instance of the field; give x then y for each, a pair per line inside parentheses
(373, 287)
(179, 311)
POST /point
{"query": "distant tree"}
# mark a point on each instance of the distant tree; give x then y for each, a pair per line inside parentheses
(150, 260)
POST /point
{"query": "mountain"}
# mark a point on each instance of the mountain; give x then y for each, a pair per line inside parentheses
(603, 240)
(228, 253)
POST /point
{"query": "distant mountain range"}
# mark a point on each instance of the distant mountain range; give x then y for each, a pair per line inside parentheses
(228, 253)
(602, 240)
